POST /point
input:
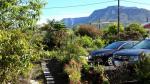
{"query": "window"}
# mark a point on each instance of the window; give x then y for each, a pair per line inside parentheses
(114, 45)
(127, 46)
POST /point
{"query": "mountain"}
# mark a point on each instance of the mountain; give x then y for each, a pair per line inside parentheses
(110, 14)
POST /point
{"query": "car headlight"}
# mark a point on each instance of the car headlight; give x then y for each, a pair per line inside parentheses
(117, 56)
(134, 58)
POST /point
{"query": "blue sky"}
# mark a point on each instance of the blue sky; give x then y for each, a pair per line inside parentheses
(48, 12)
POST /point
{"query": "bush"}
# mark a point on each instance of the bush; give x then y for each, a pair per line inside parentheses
(89, 44)
(137, 28)
(131, 32)
(88, 30)
(56, 39)
(94, 75)
(100, 71)
(111, 33)
(130, 35)
(85, 41)
(73, 70)
(113, 29)
(99, 43)
(50, 54)
(15, 55)
(143, 69)
(74, 50)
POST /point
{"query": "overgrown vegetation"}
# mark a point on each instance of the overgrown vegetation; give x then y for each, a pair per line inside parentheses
(73, 70)
(19, 45)
(22, 44)
(88, 30)
(16, 54)
(143, 69)
(133, 31)
(20, 13)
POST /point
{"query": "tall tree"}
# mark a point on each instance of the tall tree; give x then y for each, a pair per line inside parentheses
(17, 48)
(19, 13)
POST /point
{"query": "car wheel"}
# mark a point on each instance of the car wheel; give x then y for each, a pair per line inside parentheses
(109, 61)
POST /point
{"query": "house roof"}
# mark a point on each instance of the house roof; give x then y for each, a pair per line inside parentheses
(146, 25)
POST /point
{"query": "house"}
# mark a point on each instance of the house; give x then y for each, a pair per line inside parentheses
(147, 25)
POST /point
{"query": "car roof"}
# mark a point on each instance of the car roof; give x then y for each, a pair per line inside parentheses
(147, 39)
(128, 41)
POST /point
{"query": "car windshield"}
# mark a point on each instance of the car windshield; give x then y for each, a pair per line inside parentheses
(114, 45)
(143, 45)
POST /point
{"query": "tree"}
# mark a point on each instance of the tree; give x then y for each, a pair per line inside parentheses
(137, 28)
(56, 34)
(20, 13)
(17, 48)
(15, 55)
(131, 32)
(111, 34)
(55, 39)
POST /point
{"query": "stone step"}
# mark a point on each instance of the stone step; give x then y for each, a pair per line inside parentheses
(50, 82)
(46, 69)
(48, 76)
(48, 79)
(46, 72)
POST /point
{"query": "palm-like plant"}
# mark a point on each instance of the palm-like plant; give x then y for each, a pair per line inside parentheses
(53, 25)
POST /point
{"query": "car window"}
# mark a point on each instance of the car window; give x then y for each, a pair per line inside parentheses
(135, 42)
(114, 45)
(127, 46)
(145, 44)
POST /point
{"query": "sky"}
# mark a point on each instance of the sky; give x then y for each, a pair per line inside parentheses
(54, 8)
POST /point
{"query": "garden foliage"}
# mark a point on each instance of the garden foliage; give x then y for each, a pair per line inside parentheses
(143, 69)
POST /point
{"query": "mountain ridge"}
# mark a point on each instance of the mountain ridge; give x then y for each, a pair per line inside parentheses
(109, 14)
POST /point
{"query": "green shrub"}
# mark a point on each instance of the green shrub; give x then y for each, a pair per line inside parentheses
(73, 50)
(131, 32)
(102, 78)
(49, 54)
(55, 39)
(99, 43)
(99, 69)
(113, 29)
(137, 27)
(85, 41)
(110, 34)
(94, 75)
(143, 69)
(83, 60)
(15, 55)
(73, 70)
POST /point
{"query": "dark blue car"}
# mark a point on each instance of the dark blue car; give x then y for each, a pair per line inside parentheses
(104, 56)
(132, 55)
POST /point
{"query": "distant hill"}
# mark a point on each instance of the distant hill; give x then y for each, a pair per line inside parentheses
(109, 14)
